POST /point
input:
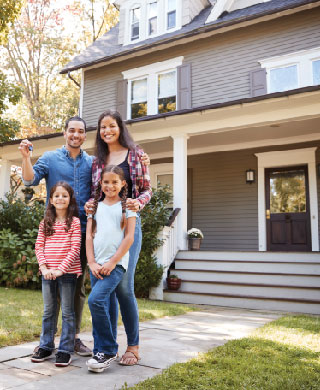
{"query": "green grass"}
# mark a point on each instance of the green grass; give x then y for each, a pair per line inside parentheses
(282, 355)
(21, 314)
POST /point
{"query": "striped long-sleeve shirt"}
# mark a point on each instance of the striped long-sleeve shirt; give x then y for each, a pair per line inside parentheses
(62, 249)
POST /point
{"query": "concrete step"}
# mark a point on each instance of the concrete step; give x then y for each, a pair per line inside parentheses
(252, 290)
(250, 266)
(248, 277)
(259, 303)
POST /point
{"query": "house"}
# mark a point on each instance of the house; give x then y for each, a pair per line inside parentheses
(224, 96)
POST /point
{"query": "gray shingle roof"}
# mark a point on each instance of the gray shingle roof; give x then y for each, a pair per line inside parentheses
(107, 47)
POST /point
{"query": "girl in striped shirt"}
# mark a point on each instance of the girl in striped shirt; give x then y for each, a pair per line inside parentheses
(58, 254)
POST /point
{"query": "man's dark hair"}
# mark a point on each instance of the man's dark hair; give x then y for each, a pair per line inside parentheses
(75, 118)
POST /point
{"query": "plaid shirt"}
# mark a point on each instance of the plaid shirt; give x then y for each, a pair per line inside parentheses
(139, 173)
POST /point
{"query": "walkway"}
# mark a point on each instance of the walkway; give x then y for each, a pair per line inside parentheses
(163, 342)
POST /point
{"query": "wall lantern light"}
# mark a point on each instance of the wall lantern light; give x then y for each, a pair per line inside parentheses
(250, 176)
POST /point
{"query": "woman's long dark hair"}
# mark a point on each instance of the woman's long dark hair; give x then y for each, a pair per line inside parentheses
(123, 195)
(101, 148)
(50, 214)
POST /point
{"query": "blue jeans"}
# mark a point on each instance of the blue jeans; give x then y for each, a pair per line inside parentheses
(99, 303)
(66, 285)
(125, 294)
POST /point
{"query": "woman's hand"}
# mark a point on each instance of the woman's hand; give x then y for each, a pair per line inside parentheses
(95, 269)
(145, 159)
(88, 207)
(133, 204)
(107, 268)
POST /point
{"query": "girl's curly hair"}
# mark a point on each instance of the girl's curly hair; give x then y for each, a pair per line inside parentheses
(50, 214)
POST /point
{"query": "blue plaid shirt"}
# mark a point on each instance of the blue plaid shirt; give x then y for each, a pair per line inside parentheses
(59, 165)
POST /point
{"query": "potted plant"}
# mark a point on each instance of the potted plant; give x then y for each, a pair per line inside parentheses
(173, 282)
(194, 236)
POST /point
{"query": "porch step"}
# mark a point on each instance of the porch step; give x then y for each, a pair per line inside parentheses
(276, 279)
(259, 303)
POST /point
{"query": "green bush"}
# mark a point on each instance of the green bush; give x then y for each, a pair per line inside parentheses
(18, 232)
(154, 217)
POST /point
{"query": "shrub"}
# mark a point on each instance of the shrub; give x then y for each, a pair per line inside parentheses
(154, 217)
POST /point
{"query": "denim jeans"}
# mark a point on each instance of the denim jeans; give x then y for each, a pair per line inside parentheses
(66, 285)
(125, 294)
(99, 303)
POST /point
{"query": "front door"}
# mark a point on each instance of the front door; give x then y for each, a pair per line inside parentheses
(287, 209)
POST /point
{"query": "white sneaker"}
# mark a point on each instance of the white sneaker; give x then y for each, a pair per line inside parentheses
(100, 361)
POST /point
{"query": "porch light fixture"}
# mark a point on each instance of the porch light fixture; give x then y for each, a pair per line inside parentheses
(250, 176)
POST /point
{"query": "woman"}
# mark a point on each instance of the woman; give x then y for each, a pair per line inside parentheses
(115, 146)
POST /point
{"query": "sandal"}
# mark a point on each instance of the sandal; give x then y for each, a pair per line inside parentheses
(126, 356)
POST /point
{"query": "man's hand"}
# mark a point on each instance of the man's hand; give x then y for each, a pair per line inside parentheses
(107, 268)
(95, 269)
(24, 148)
(133, 204)
(145, 159)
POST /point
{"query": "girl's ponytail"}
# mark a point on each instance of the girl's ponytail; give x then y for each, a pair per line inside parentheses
(123, 222)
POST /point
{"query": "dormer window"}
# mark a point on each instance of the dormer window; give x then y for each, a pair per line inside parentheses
(171, 14)
(135, 23)
(153, 18)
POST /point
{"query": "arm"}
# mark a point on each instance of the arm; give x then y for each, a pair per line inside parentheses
(96, 173)
(125, 245)
(32, 175)
(93, 265)
(39, 249)
(27, 170)
(75, 246)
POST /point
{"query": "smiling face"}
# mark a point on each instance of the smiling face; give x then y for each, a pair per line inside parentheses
(60, 198)
(109, 130)
(75, 134)
(111, 184)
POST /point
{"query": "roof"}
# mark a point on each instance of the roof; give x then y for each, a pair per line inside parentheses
(106, 48)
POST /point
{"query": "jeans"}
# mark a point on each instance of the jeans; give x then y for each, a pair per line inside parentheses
(99, 303)
(125, 294)
(66, 285)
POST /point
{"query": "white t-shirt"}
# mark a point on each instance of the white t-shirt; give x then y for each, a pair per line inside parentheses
(109, 235)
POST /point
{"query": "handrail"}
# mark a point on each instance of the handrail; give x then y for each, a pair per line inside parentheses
(173, 216)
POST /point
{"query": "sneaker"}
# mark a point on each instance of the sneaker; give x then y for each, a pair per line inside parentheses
(100, 361)
(40, 355)
(81, 349)
(63, 359)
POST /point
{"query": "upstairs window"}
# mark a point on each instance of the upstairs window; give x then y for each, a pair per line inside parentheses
(153, 18)
(135, 23)
(171, 14)
(167, 92)
(139, 105)
(294, 70)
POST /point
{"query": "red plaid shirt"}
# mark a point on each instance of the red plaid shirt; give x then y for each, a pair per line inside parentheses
(139, 173)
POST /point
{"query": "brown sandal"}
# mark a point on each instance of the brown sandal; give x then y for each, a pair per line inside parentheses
(127, 356)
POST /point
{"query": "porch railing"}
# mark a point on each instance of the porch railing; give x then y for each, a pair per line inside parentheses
(166, 253)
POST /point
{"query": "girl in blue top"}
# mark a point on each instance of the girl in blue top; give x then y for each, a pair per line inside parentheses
(109, 236)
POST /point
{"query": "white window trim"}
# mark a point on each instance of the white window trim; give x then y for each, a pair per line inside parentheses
(144, 20)
(150, 72)
(284, 159)
(303, 59)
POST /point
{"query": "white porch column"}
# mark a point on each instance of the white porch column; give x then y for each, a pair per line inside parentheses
(5, 170)
(180, 187)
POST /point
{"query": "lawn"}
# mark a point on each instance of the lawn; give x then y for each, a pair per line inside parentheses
(21, 314)
(282, 355)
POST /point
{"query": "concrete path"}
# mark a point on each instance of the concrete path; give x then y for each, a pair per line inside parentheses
(163, 342)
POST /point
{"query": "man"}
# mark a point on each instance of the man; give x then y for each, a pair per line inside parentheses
(73, 165)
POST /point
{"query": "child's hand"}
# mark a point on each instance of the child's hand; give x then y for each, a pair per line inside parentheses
(107, 268)
(56, 273)
(88, 207)
(47, 273)
(95, 269)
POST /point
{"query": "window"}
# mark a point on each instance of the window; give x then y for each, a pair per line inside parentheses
(135, 22)
(167, 92)
(153, 18)
(152, 89)
(294, 70)
(171, 14)
(139, 106)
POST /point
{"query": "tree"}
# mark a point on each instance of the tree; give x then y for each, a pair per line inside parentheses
(9, 10)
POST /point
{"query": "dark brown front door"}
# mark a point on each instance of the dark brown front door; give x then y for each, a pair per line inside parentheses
(287, 209)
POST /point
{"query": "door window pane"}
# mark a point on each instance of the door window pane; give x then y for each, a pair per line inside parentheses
(166, 92)
(283, 79)
(316, 72)
(153, 10)
(288, 192)
(138, 98)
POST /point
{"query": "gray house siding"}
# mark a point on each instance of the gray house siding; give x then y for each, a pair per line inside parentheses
(318, 182)
(220, 65)
(224, 207)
